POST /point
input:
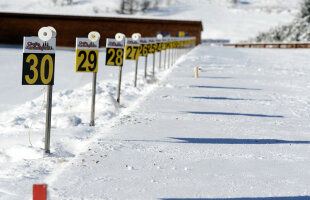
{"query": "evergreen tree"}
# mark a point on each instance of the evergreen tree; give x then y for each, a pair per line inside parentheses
(305, 9)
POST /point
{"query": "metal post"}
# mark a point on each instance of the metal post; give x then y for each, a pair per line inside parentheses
(93, 102)
(172, 59)
(145, 67)
(165, 59)
(169, 58)
(48, 118)
(154, 57)
(136, 73)
(119, 85)
(159, 66)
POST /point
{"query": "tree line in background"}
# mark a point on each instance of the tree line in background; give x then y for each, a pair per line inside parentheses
(126, 6)
(133, 6)
(298, 30)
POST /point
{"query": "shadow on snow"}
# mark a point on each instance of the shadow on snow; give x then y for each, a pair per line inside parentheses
(245, 198)
(233, 114)
(221, 87)
(222, 98)
(235, 141)
(216, 77)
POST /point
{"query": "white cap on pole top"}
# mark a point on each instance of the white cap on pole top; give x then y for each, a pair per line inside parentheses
(159, 36)
(119, 37)
(93, 36)
(136, 36)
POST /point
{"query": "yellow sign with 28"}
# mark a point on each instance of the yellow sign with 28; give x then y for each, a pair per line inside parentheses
(114, 57)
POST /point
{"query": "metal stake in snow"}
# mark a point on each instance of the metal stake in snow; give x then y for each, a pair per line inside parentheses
(160, 40)
(38, 69)
(136, 37)
(154, 57)
(145, 67)
(144, 45)
(48, 119)
(169, 51)
(93, 100)
(86, 60)
(115, 57)
(94, 37)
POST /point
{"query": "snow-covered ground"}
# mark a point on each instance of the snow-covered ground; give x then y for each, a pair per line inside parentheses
(221, 20)
(239, 131)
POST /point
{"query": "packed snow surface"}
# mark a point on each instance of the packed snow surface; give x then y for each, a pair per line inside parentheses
(220, 18)
(239, 131)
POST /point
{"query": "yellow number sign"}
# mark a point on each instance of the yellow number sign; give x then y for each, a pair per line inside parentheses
(86, 55)
(131, 52)
(38, 61)
(114, 57)
(86, 60)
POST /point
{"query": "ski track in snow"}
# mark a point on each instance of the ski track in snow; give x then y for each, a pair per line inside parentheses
(239, 131)
(230, 133)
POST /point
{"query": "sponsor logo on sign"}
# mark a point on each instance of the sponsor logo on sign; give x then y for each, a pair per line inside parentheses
(38, 46)
(112, 43)
(86, 44)
(35, 45)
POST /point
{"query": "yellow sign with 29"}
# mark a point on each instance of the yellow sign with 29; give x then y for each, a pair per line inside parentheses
(86, 60)
(86, 57)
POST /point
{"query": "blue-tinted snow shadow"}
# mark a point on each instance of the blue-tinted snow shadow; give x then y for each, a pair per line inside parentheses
(244, 2)
(245, 198)
(216, 77)
(222, 98)
(233, 114)
(220, 87)
(234, 141)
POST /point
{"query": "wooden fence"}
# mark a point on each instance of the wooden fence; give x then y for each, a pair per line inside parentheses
(14, 26)
(271, 45)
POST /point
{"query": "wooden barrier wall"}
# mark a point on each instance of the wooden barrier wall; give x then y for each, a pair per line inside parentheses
(291, 45)
(14, 26)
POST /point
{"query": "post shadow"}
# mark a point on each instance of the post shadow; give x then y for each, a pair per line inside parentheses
(216, 77)
(222, 98)
(245, 198)
(233, 114)
(222, 87)
(235, 141)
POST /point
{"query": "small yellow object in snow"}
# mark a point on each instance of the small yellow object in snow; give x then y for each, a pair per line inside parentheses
(196, 71)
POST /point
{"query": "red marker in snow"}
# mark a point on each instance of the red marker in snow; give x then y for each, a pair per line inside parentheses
(39, 192)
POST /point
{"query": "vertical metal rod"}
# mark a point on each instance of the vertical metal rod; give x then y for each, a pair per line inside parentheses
(136, 73)
(172, 58)
(93, 100)
(165, 59)
(154, 57)
(159, 66)
(119, 85)
(169, 58)
(48, 119)
(145, 67)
